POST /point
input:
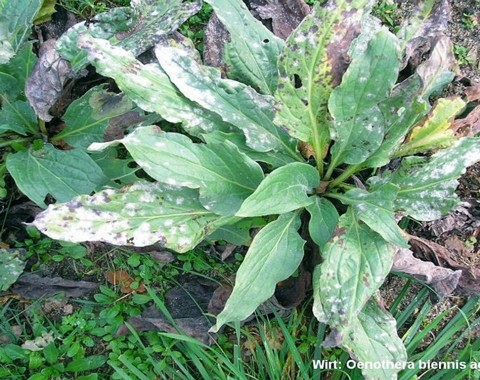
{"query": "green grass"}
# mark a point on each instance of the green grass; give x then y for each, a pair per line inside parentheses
(89, 8)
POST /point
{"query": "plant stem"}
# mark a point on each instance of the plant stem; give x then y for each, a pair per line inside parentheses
(10, 142)
(41, 124)
(347, 173)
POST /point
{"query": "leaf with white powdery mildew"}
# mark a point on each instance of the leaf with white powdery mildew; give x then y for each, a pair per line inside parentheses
(283, 190)
(358, 121)
(135, 29)
(427, 186)
(16, 19)
(311, 65)
(355, 264)
(148, 86)
(62, 174)
(235, 102)
(373, 338)
(376, 210)
(137, 215)
(251, 55)
(224, 175)
(274, 255)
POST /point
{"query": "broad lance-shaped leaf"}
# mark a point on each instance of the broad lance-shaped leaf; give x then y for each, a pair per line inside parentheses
(375, 209)
(135, 29)
(233, 101)
(355, 264)
(148, 86)
(358, 121)
(311, 64)
(137, 215)
(283, 190)
(274, 159)
(16, 114)
(274, 255)
(62, 174)
(16, 19)
(224, 175)
(408, 102)
(427, 186)
(86, 118)
(251, 55)
(373, 338)
(323, 220)
(434, 130)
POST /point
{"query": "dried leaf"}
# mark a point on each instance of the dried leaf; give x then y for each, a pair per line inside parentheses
(123, 279)
(442, 280)
(473, 93)
(45, 84)
(31, 285)
(284, 15)
(216, 36)
(469, 282)
(469, 125)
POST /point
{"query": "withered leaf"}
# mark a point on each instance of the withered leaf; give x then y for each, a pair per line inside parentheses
(469, 281)
(284, 15)
(45, 84)
(442, 280)
(32, 285)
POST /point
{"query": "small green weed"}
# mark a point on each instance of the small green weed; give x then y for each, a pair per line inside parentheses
(387, 11)
(89, 8)
(463, 55)
(469, 21)
(194, 28)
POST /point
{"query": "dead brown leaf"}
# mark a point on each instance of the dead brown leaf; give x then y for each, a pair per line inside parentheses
(122, 279)
(468, 126)
(469, 281)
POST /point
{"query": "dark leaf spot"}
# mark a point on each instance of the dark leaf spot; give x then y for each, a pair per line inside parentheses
(297, 81)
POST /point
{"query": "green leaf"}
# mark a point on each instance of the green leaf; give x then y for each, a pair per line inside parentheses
(427, 186)
(355, 264)
(134, 29)
(252, 53)
(274, 255)
(46, 12)
(62, 174)
(323, 220)
(283, 190)
(16, 18)
(11, 267)
(50, 353)
(14, 74)
(87, 117)
(434, 130)
(358, 121)
(373, 339)
(274, 159)
(237, 233)
(17, 116)
(119, 171)
(224, 176)
(375, 209)
(137, 215)
(86, 364)
(234, 102)
(311, 65)
(148, 86)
